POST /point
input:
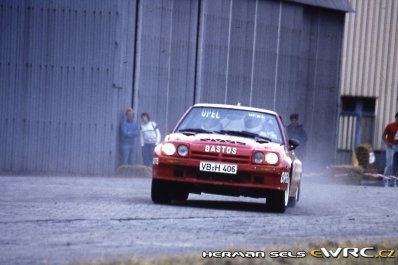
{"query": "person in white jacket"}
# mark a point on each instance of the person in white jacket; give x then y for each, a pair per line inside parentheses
(150, 137)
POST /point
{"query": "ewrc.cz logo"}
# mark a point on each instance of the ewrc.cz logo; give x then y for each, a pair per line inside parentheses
(369, 252)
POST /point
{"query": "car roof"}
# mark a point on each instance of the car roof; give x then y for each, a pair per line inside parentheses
(237, 107)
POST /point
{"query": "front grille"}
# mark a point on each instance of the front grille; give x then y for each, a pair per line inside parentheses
(241, 159)
(235, 158)
(258, 179)
(204, 156)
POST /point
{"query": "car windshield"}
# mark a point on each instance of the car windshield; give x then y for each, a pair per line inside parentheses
(235, 122)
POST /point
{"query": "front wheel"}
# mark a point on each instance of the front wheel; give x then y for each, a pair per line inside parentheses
(293, 200)
(278, 200)
(159, 192)
(180, 195)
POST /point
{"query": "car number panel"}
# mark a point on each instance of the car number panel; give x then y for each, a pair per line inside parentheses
(218, 167)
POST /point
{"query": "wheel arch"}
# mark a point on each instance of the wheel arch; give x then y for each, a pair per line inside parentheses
(295, 176)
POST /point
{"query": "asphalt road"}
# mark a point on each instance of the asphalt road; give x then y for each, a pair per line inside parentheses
(58, 220)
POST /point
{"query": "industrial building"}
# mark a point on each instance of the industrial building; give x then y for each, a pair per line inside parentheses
(369, 89)
(70, 68)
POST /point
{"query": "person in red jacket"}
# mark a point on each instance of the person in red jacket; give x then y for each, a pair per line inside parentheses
(390, 138)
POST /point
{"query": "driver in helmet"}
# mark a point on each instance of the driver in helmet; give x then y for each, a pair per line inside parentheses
(253, 124)
(260, 126)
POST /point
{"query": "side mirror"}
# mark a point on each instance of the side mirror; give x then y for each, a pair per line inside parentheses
(293, 143)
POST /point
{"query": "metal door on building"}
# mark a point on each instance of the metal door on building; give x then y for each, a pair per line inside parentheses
(356, 125)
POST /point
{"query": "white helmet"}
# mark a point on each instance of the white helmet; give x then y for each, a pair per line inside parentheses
(252, 124)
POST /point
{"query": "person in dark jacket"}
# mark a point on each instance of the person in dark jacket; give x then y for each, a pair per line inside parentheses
(296, 131)
(129, 130)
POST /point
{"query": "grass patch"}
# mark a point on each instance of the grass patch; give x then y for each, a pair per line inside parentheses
(308, 260)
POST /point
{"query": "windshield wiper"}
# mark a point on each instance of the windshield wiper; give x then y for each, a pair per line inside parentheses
(257, 137)
(194, 130)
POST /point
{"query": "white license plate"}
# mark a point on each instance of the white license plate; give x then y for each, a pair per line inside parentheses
(218, 167)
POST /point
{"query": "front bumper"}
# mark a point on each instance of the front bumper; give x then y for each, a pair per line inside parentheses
(251, 180)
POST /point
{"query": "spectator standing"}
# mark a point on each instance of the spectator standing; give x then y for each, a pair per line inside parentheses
(129, 130)
(296, 131)
(150, 137)
(390, 138)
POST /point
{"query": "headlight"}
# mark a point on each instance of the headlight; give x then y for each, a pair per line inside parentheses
(182, 150)
(271, 158)
(169, 149)
(258, 158)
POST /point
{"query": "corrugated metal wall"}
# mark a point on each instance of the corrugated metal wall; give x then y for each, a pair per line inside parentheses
(166, 55)
(347, 127)
(370, 66)
(68, 70)
(274, 55)
(325, 38)
(66, 75)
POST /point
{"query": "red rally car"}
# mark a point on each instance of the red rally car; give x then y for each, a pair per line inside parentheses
(228, 150)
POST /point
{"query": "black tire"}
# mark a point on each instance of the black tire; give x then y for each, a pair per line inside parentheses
(159, 192)
(293, 200)
(276, 202)
(180, 196)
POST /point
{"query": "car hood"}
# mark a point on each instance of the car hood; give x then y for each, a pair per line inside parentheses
(221, 139)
